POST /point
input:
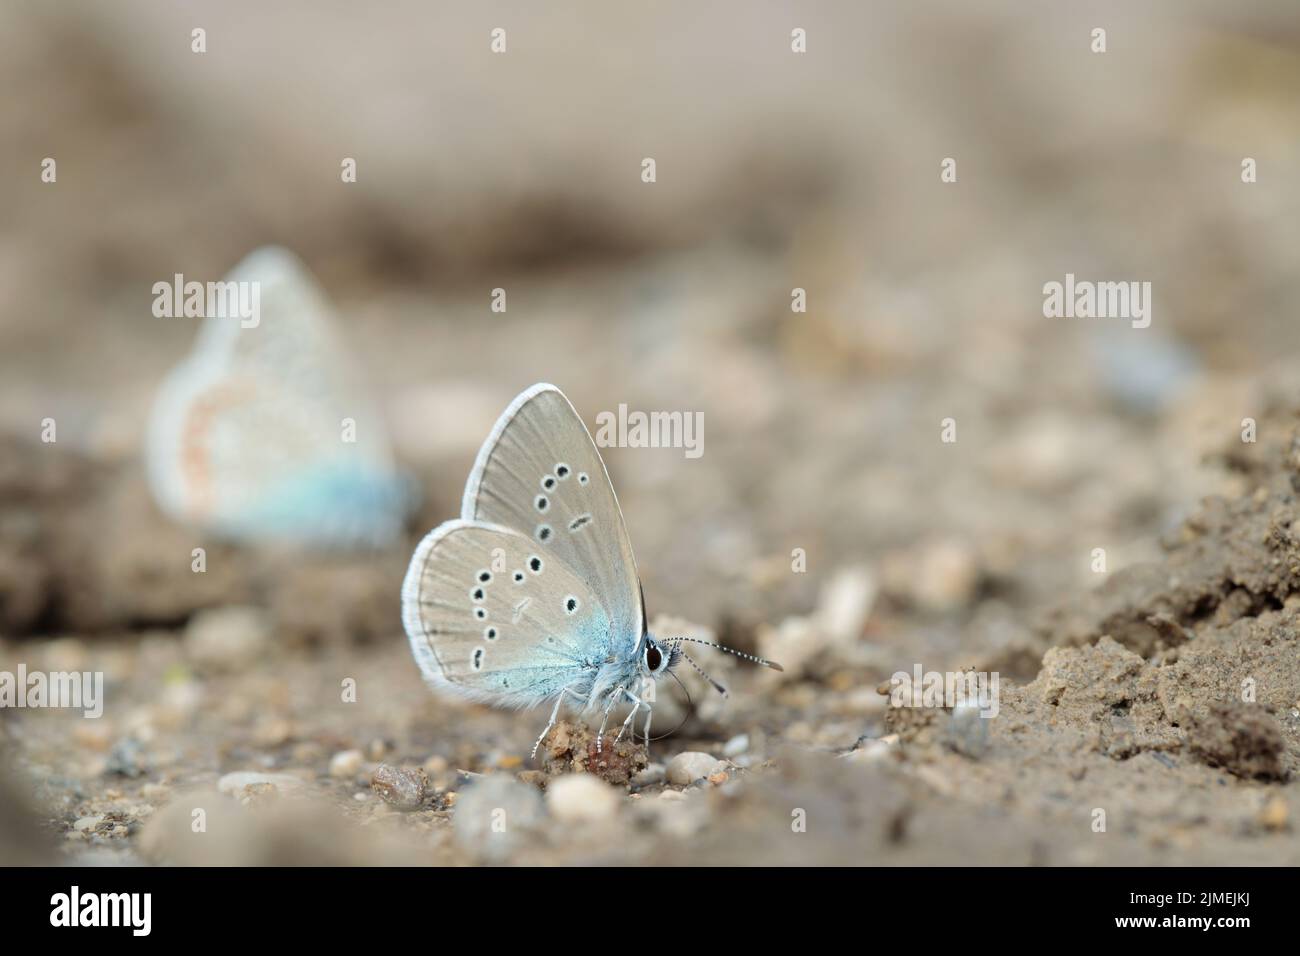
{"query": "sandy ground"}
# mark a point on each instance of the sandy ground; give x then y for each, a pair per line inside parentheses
(1158, 695)
(1137, 711)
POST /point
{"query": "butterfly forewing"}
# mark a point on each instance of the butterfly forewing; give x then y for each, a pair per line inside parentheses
(540, 474)
(494, 617)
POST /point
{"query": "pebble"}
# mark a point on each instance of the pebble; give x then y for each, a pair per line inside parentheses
(874, 751)
(155, 791)
(845, 603)
(1273, 815)
(126, 758)
(736, 746)
(535, 778)
(947, 576)
(400, 787)
(274, 732)
(436, 765)
(235, 783)
(581, 798)
(651, 775)
(227, 638)
(968, 731)
(87, 823)
(494, 814)
(686, 768)
(863, 701)
(346, 764)
(93, 734)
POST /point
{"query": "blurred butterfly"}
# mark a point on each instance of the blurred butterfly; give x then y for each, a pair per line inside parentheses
(264, 431)
(532, 595)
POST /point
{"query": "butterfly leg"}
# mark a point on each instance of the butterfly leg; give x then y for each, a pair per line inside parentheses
(637, 704)
(613, 699)
(554, 714)
(649, 712)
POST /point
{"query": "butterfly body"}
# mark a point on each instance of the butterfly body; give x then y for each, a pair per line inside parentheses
(532, 595)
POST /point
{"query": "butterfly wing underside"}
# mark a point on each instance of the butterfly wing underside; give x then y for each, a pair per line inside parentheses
(539, 473)
(246, 434)
(493, 617)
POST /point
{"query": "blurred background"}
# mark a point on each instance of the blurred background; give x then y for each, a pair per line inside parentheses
(775, 170)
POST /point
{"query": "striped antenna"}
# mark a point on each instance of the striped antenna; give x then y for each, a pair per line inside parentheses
(700, 670)
(749, 657)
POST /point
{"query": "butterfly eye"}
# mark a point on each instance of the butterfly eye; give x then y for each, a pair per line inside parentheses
(535, 564)
(561, 471)
(485, 576)
(543, 532)
(542, 502)
(652, 657)
(582, 478)
(570, 604)
(548, 482)
(519, 577)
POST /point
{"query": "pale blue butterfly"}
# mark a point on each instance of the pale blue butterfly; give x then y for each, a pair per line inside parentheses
(532, 595)
(265, 432)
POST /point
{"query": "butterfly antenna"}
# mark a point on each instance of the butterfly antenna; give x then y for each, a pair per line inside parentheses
(699, 670)
(749, 657)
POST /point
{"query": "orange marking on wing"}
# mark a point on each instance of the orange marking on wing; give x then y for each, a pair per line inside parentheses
(196, 463)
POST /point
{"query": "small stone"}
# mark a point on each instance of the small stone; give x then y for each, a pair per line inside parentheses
(845, 604)
(495, 815)
(436, 765)
(400, 787)
(346, 764)
(93, 734)
(862, 701)
(736, 746)
(237, 782)
(581, 798)
(718, 778)
(968, 730)
(651, 775)
(227, 638)
(1273, 815)
(532, 777)
(87, 823)
(947, 576)
(688, 767)
(126, 758)
(875, 751)
(273, 733)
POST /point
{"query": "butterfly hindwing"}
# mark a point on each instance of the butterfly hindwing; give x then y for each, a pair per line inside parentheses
(540, 474)
(494, 617)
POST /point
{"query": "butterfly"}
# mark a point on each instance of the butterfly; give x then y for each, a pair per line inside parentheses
(264, 432)
(532, 595)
